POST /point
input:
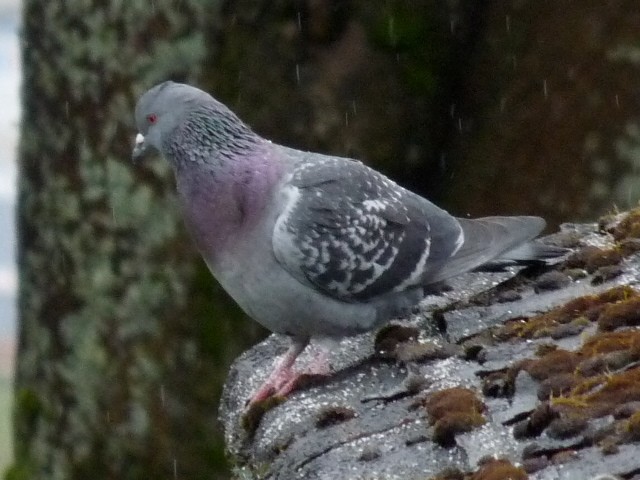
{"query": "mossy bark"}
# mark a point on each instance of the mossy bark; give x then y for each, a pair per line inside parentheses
(119, 365)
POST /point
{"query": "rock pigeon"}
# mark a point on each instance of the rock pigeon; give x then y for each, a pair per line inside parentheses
(310, 245)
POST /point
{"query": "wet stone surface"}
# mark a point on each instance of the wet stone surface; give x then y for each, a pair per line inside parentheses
(538, 368)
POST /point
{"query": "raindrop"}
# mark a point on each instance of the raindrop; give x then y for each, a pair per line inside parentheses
(162, 397)
(346, 119)
(108, 416)
(503, 104)
(66, 108)
(175, 468)
(507, 20)
(459, 124)
(299, 21)
(544, 88)
(452, 25)
(355, 110)
(617, 101)
(452, 110)
(298, 73)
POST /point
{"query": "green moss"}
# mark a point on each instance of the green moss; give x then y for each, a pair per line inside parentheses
(28, 408)
(19, 471)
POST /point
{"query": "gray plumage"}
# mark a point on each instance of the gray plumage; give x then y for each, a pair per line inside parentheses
(311, 245)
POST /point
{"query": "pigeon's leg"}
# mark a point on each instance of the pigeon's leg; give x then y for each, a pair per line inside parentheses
(282, 374)
(319, 367)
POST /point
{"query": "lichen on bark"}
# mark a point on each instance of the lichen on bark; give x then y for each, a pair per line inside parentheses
(107, 336)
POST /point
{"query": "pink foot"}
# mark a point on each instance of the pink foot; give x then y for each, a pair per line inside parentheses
(319, 367)
(284, 379)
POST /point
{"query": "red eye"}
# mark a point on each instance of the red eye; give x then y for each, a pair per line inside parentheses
(152, 118)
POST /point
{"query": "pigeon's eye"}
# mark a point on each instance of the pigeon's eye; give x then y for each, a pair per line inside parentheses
(152, 118)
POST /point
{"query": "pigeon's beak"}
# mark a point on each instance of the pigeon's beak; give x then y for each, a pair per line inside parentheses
(139, 149)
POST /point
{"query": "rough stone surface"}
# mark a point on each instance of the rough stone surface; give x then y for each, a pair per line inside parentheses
(547, 402)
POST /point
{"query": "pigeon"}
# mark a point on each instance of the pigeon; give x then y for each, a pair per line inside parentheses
(311, 246)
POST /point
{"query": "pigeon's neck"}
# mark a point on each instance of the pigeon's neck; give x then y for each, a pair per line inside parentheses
(210, 137)
(221, 205)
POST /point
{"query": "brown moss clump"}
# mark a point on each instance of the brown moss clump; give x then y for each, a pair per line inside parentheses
(557, 386)
(623, 314)
(552, 363)
(540, 418)
(611, 342)
(450, 473)
(555, 369)
(453, 411)
(628, 227)
(567, 426)
(446, 429)
(592, 258)
(629, 246)
(499, 470)
(600, 395)
(633, 426)
(500, 383)
(491, 469)
(592, 382)
(253, 415)
(615, 389)
(390, 336)
(333, 415)
(606, 352)
(585, 309)
(442, 402)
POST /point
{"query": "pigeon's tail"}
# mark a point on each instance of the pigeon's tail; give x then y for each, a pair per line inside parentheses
(533, 251)
(495, 240)
(529, 254)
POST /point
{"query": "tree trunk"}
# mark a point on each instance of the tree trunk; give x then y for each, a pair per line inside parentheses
(119, 356)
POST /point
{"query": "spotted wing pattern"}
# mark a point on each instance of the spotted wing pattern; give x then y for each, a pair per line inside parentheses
(355, 234)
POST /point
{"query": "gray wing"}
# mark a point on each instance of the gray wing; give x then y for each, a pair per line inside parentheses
(356, 235)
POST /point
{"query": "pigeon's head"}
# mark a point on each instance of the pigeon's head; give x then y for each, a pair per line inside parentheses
(162, 109)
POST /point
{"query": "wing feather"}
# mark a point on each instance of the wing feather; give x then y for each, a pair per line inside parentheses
(353, 233)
